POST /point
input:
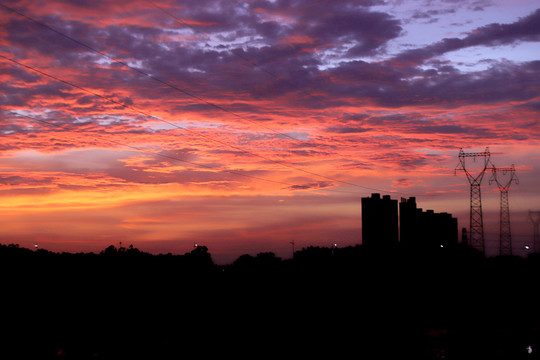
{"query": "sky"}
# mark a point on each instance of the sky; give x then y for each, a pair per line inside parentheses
(245, 126)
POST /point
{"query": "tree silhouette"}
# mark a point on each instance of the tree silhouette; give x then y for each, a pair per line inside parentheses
(400, 303)
(200, 257)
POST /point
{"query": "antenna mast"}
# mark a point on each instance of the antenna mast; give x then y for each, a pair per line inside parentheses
(505, 236)
(476, 220)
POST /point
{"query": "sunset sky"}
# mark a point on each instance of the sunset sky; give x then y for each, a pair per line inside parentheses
(246, 125)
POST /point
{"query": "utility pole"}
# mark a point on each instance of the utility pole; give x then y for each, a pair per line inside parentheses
(505, 236)
(535, 219)
(476, 220)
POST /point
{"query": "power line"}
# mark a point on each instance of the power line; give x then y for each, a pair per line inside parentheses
(182, 128)
(177, 89)
(163, 82)
(253, 64)
(256, 65)
(169, 85)
(250, 62)
(247, 60)
(243, 58)
(168, 157)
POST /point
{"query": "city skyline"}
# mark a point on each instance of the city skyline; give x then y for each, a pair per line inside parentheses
(245, 125)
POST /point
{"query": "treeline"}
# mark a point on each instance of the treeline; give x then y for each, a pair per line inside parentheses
(312, 257)
(443, 273)
(325, 302)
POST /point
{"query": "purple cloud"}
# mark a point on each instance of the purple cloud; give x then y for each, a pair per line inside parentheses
(311, 186)
(347, 129)
(525, 29)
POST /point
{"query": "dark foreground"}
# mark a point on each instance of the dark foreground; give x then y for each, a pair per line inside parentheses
(348, 303)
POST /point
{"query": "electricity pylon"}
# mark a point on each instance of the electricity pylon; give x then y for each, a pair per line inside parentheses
(475, 180)
(503, 183)
(535, 218)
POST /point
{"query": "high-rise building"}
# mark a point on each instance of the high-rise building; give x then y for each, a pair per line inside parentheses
(379, 221)
(425, 229)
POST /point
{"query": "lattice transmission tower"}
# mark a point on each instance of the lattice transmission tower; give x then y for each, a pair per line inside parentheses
(535, 218)
(504, 177)
(476, 230)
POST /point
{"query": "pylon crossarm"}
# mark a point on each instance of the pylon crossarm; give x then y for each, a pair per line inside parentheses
(512, 178)
(475, 154)
(473, 180)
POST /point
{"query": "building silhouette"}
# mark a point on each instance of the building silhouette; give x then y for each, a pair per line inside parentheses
(379, 221)
(425, 229)
(414, 228)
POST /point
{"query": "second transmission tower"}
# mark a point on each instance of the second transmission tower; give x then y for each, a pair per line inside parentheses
(504, 182)
(475, 180)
